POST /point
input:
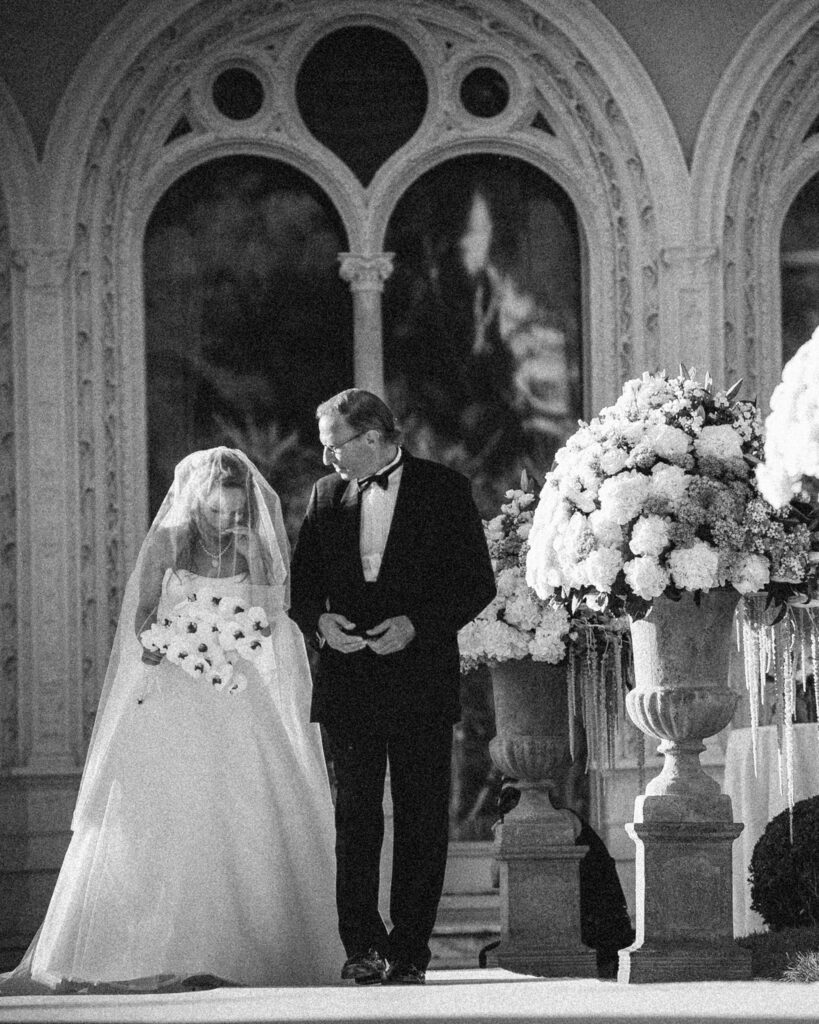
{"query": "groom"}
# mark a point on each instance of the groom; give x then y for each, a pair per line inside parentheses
(390, 563)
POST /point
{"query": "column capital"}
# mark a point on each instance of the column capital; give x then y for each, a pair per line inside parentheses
(366, 273)
(45, 267)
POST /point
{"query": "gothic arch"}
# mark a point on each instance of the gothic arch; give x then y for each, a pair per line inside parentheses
(18, 176)
(115, 148)
(751, 159)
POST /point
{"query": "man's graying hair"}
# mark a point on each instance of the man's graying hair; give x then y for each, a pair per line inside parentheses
(363, 411)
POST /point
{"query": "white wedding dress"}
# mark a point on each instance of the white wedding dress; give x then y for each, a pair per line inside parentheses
(206, 843)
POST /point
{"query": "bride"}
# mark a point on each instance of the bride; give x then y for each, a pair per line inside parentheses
(203, 831)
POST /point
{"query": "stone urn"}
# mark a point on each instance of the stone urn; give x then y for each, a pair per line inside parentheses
(683, 825)
(535, 844)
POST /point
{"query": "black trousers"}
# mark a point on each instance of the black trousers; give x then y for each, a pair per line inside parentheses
(419, 757)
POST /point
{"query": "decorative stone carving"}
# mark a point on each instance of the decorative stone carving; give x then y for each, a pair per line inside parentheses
(9, 547)
(689, 269)
(767, 163)
(49, 743)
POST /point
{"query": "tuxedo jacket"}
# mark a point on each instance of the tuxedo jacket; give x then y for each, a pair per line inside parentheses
(435, 570)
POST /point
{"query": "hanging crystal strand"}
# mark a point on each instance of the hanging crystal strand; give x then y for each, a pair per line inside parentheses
(779, 687)
(571, 695)
(592, 684)
(813, 631)
(586, 708)
(608, 675)
(789, 693)
(618, 679)
(751, 656)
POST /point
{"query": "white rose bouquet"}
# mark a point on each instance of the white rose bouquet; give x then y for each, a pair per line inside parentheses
(207, 636)
(517, 624)
(657, 495)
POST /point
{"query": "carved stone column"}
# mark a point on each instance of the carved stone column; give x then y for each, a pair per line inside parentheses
(366, 276)
(48, 706)
(689, 271)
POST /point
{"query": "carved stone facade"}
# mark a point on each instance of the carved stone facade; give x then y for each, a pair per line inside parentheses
(678, 266)
(9, 546)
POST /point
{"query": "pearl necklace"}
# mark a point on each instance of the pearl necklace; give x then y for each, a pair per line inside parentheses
(214, 558)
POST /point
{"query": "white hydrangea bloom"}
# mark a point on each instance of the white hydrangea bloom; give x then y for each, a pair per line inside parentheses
(749, 573)
(646, 577)
(671, 443)
(695, 567)
(602, 566)
(792, 428)
(622, 497)
(719, 442)
(649, 535)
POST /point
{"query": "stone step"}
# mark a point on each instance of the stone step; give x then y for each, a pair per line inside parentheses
(466, 923)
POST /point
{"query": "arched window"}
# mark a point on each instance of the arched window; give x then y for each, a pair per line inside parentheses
(800, 269)
(248, 325)
(482, 324)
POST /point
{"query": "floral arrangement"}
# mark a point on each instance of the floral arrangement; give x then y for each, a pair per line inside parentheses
(791, 466)
(517, 624)
(207, 636)
(657, 495)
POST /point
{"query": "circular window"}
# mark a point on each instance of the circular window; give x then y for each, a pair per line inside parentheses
(485, 92)
(238, 94)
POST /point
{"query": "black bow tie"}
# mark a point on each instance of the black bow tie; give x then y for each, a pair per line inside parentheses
(381, 479)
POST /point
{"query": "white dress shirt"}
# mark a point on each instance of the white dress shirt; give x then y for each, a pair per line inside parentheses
(377, 507)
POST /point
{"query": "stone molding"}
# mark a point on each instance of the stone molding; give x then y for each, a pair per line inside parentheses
(750, 161)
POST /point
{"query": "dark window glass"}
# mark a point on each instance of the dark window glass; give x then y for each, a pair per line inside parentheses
(248, 325)
(482, 350)
(485, 92)
(362, 94)
(238, 94)
(800, 269)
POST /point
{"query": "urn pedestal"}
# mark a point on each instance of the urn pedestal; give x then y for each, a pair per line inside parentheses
(683, 825)
(535, 844)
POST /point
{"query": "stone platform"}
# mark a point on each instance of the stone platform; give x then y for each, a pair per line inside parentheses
(463, 997)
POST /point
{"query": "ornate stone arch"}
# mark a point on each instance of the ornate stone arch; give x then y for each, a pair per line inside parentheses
(136, 116)
(18, 180)
(752, 157)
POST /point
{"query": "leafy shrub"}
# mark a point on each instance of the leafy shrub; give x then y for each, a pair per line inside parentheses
(784, 875)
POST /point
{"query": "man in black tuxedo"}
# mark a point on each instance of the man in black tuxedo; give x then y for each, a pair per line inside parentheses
(390, 563)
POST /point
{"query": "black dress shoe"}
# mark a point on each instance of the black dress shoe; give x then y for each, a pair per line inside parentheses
(404, 973)
(368, 968)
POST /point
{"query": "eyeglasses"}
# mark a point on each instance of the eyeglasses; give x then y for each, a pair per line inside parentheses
(334, 449)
